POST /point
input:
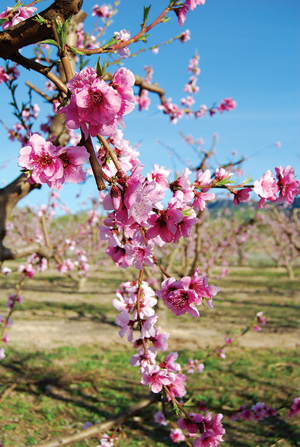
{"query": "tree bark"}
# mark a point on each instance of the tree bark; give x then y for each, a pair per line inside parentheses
(30, 31)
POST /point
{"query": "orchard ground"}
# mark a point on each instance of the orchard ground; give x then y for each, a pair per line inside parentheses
(66, 364)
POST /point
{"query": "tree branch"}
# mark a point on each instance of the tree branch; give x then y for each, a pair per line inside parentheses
(104, 427)
(30, 31)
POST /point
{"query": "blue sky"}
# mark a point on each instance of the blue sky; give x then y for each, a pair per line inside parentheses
(248, 51)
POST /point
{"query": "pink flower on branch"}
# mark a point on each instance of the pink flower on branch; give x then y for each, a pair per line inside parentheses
(156, 378)
(16, 15)
(211, 429)
(97, 107)
(242, 195)
(289, 187)
(182, 296)
(266, 188)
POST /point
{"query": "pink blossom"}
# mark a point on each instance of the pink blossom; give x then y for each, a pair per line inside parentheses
(40, 157)
(119, 256)
(93, 108)
(123, 36)
(222, 354)
(200, 285)
(16, 15)
(126, 324)
(6, 271)
(156, 378)
(159, 175)
(143, 100)
(181, 13)
(159, 340)
(72, 159)
(185, 36)
(201, 198)
(261, 319)
(102, 11)
(140, 255)
(295, 407)
(160, 419)
(200, 368)
(27, 270)
(227, 104)
(266, 187)
(2, 354)
(3, 75)
(202, 111)
(211, 429)
(5, 339)
(97, 107)
(122, 81)
(193, 3)
(289, 187)
(221, 174)
(176, 435)
(178, 297)
(278, 144)
(143, 359)
(177, 388)
(170, 363)
(164, 224)
(242, 195)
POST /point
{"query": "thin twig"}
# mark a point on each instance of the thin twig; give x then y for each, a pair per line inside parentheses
(40, 92)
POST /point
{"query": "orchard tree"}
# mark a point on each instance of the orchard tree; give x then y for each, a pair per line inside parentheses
(90, 99)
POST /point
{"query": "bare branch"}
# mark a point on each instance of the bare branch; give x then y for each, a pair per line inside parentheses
(104, 427)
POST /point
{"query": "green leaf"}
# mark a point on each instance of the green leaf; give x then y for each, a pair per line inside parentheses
(40, 19)
(64, 102)
(187, 212)
(247, 180)
(176, 408)
(111, 42)
(76, 51)
(165, 19)
(64, 31)
(190, 403)
(98, 68)
(3, 21)
(143, 38)
(224, 181)
(50, 42)
(146, 13)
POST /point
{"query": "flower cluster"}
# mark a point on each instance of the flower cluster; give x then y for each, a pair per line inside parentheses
(135, 303)
(104, 11)
(52, 164)
(175, 112)
(183, 295)
(255, 413)
(182, 10)
(210, 428)
(98, 107)
(285, 183)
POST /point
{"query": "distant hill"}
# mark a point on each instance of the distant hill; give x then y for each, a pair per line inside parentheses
(223, 204)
